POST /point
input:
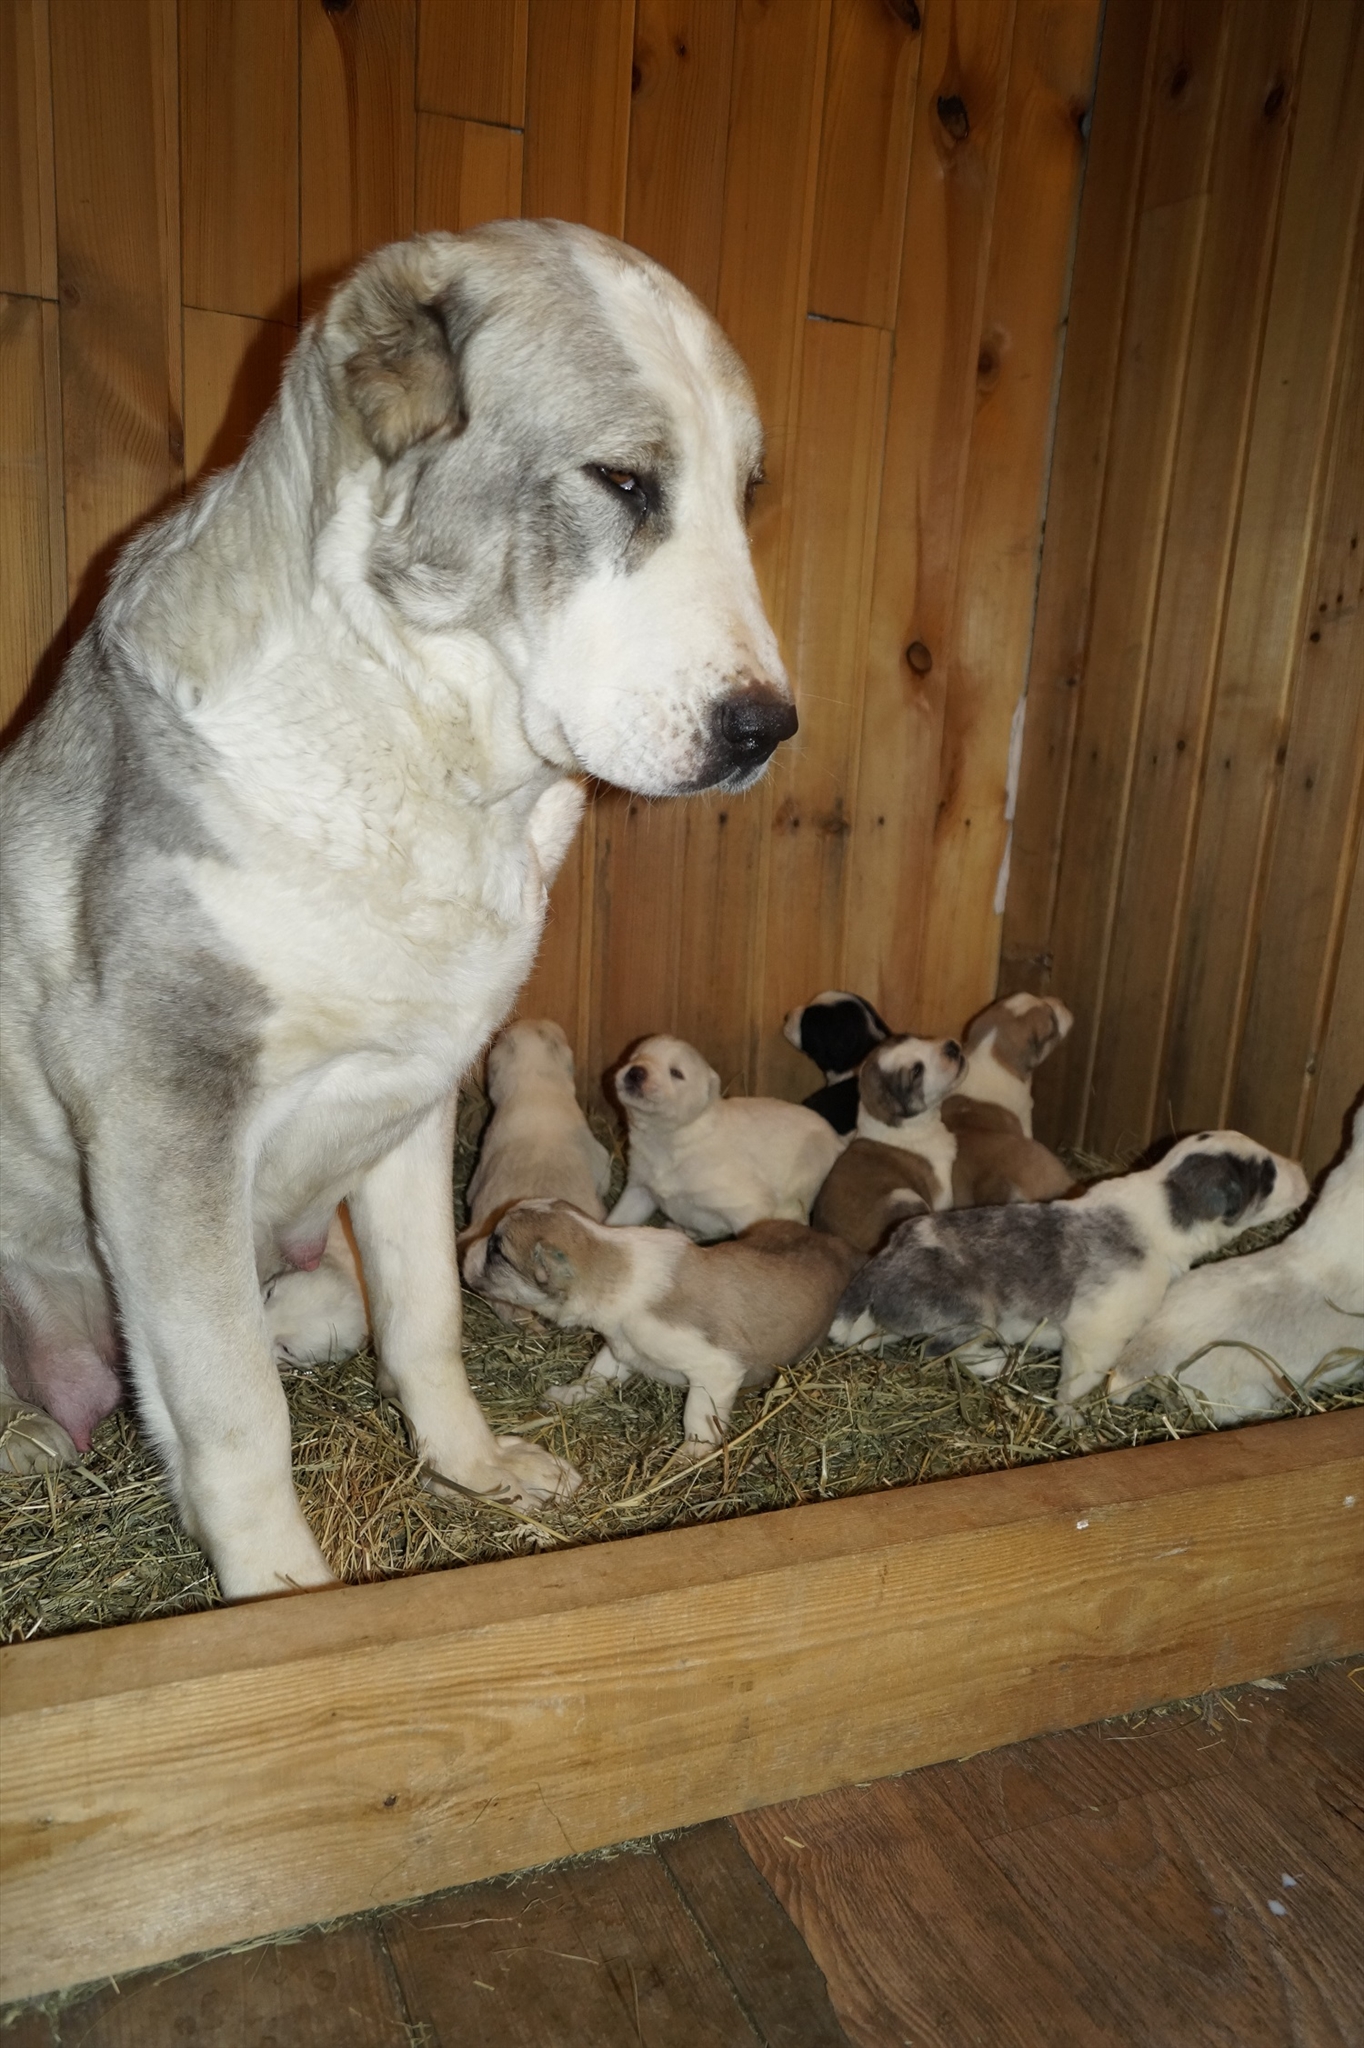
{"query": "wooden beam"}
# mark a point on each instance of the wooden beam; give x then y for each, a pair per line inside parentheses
(181, 1784)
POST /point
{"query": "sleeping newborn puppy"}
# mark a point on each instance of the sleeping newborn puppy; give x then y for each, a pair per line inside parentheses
(836, 1030)
(1084, 1274)
(537, 1141)
(317, 1314)
(901, 1161)
(1296, 1303)
(989, 1112)
(710, 1318)
(713, 1166)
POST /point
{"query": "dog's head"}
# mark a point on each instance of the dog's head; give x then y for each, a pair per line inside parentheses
(532, 1047)
(665, 1081)
(1021, 1031)
(543, 1255)
(1220, 1183)
(567, 446)
(906, 1076)
(836, 1030)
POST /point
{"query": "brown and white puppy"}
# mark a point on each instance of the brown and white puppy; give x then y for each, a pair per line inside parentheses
(537, 1143)
(710, 1165)
(1082, 1275)
(712, 1318)
(901, 1161)
(989, 1112)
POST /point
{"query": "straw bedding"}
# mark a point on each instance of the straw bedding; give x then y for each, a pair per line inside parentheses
(99, 1543)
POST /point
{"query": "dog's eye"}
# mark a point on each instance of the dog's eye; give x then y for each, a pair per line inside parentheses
(626, 483)
(752, 487)
(677, 1073)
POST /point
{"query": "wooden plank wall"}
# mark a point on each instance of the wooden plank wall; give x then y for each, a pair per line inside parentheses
(1185, 867)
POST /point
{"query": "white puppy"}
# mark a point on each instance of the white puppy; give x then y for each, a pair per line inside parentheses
(1083, 1275)
(710, 1318)
(710, 1165)
(537, 1142)
(1235, 1334)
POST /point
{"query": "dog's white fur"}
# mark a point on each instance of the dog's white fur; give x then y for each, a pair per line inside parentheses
(537, 1143)
(713, 1165)
(1120, 1246)
(379, 721)
(1239, 1334)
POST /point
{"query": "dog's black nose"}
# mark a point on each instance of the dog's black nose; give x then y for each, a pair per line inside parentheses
(751, 725)
(634, 1077)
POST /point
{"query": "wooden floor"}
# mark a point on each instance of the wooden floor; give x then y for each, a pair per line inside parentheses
(1182, 1882)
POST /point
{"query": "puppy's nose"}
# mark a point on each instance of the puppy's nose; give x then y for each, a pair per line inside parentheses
(751, 725)
(634, 1077)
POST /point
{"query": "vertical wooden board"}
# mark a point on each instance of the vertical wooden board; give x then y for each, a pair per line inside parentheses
(836, 491)
(472, 60)
(1340, 1066)
(232, 372)
(864, 161)
(1079, 461)
(239, 91)
(780, 52)
(1167, 249)
(578, 110)
(1317, 821)
(357, 134)
(31, 616)
(1288, 447)
(118, 237)
(948, 215)
(679, 113)
(467, 172)
(28, 207)
(1200, 532)
(1050, 71)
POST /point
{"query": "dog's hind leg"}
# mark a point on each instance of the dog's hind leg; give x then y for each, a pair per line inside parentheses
(405, 1226)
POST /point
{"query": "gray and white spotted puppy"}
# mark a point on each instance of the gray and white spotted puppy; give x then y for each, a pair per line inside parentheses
(1080, 1275)
(710, 1318)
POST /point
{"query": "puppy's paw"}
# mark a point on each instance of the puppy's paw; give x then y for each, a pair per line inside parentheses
(1068, 1415)
(31, 1440)
(518, 1474)
(574, 1391)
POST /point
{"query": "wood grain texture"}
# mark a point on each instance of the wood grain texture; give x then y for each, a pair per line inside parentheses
(32, 533)
(467, 172)
(239, 100)
(578, 110)
(473, 60)
(1338, 1064)
(232, 372)
(357, 142)
(438, 1729)
(864, 160)
(28, 212)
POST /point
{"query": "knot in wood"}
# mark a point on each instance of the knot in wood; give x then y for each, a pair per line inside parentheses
(953, 115)
(918, 657)
(907, 11)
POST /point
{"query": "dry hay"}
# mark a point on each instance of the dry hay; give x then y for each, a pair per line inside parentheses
(98, 1542)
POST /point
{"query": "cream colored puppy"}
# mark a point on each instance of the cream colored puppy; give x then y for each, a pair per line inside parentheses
(1294, 1304)
(537, 1142)
(710, 1318)
(710, 1165)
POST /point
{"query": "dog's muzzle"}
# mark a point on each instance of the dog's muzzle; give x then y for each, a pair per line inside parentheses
(747, 727)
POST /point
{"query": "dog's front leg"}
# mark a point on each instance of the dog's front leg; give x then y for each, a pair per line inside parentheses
(176, 1233)
(404, 1220)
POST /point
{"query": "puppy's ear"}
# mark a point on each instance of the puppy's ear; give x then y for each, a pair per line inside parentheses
(403, 375)
(891, 1094)
(712, 1085)
(551, 1268)
(1219, 1187)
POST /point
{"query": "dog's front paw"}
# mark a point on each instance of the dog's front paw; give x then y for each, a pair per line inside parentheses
(31, 1440)
(518, 1474)
(573, 1391)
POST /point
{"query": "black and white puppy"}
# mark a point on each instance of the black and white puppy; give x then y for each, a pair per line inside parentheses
(1081, 1275)
(836, 1030)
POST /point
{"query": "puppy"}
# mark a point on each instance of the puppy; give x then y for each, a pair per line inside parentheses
(836, 1030)
(989, 1112)
(711, 1319)
(1295, 1303)
(901, 1161)
(1084, 1274)
(537, 1142)
(710, 1165)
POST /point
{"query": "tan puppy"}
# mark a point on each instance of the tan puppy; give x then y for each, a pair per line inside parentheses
(989, 1112)
(901, 1162)
(711, 1319)
(713, 1166)
(537, 1142)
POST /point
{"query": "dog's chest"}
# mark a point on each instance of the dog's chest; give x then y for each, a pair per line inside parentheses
(929, 1138)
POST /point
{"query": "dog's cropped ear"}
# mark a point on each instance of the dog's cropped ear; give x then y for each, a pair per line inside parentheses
(403, 376)
(1219, 1187)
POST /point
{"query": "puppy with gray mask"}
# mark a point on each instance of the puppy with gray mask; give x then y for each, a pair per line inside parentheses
(710, 1318)
(1080, 1275)
(713, 1165)
(277, 850)
(901, 1161)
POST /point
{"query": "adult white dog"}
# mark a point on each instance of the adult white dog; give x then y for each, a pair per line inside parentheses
(276, 854)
